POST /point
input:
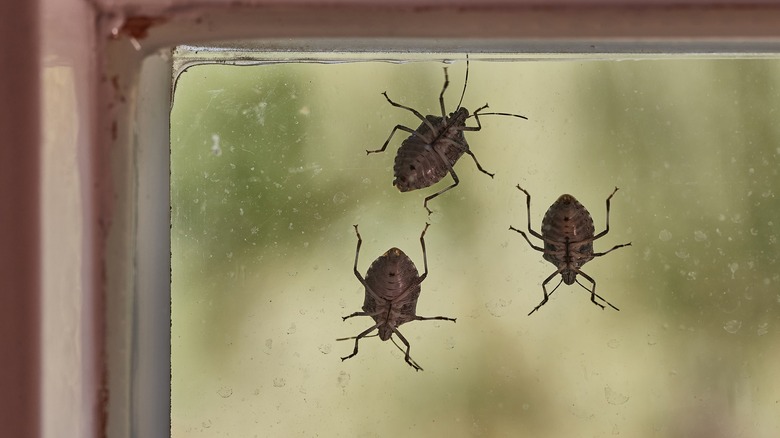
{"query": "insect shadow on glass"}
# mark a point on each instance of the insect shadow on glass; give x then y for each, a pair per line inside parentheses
(568, 235)
(392, 289)
(431, 151)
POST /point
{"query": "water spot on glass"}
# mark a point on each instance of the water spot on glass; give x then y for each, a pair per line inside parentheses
(526, 406)
(613, 397)
(206, 424)
(279, 382)
(665, 235)
(254, 230)
(753, 232)
(733, 268)
(339, 198)
(498, 308)
(699, 236)
(366, 181)
(225, 392)
(343, 379)
(229, 255)
(269, 343)
(257, 391)
(216, 150)
(292, 329)
(325, 348)
(691, 275)
(304, 111)
(732, 326)
(651, 340)
(613, 343)
(682, 253)
(763, 329)
(290, 226)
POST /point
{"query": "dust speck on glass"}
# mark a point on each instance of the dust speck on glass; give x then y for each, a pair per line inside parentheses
(269, 174)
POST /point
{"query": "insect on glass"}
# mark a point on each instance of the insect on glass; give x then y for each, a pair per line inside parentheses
(568, 235)
(392, 288)
(431, 151)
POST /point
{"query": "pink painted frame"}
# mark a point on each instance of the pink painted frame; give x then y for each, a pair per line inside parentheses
(105, 43)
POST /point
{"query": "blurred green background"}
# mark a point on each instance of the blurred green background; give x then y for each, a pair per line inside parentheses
(269, 173)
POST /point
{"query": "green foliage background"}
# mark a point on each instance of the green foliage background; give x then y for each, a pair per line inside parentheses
(269, 172)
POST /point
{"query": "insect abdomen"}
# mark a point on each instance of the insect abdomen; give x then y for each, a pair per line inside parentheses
(391, 274)
(567, 220)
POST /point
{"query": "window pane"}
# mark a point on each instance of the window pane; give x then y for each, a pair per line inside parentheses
(269, 175)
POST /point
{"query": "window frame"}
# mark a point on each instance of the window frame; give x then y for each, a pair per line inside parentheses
(122, 371)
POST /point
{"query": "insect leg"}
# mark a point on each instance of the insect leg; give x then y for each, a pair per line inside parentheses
(528, 207)
(441, 95)
(454, 177)
(407, 358)
(592, 291)
(429, 318)
(468, 151)
(344, 318)
(526, 239)
(357, 255)
(544, 289)
(425, 254)
(357, 339)
(414, 111)
(476, 119)
(357, 273)
(607, 229)
(384, 146)
(598, 254)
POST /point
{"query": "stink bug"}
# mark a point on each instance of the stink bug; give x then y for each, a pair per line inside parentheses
(567, 233)
(431, 151)
(392, 289)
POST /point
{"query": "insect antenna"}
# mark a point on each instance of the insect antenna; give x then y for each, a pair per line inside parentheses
(594, 293)
(499, 114)
(414, 364)
(465, 83)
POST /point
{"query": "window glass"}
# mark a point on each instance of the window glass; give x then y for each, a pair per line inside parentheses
(269, 174)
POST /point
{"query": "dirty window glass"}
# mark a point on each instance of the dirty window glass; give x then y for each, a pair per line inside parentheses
(269, 174)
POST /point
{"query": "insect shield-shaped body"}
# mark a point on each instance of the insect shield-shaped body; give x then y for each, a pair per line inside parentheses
(568, 235)
(431, 151)
(392, 288)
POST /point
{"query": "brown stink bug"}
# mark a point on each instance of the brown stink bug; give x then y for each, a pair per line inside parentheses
(431, 151)
(392, 289)
(567, 233)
